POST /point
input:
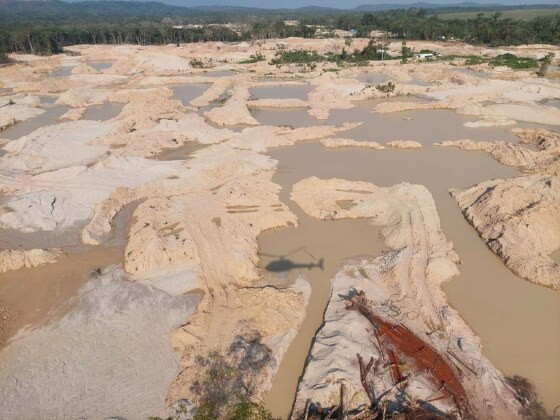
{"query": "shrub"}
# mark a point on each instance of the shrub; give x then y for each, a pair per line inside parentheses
(296, 57)
(253, 58)
(228, 383)
(473, 60)
(514, 62)
(388, 87)
(196, 63)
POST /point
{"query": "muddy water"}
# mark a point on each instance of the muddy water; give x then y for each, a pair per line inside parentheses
(179, 153)
(556, 256)
(103, 112)
(186, 93)
(553, 102)
(424, 126)
(419, 82)
(34, 295)
(497, 304)
(282, 92)
(372, 78)
(219, 73)
(64, 71)
(289, 116)
(101, 64)
(49, 117)
(315, 250)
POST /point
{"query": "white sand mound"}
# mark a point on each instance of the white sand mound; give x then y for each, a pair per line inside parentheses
(109, 356)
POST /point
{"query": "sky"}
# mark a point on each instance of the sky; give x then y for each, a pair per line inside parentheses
(341, 4)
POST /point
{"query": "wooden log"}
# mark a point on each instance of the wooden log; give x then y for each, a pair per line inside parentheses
(364, 370)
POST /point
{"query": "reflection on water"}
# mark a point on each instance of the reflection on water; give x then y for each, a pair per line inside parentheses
(496, 303)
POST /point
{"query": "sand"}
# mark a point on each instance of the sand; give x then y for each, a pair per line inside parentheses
(185, 153)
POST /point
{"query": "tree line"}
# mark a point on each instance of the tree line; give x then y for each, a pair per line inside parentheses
(52, 39)
(492, 30)
(57, 30)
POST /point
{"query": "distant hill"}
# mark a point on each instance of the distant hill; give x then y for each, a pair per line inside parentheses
(87, 11)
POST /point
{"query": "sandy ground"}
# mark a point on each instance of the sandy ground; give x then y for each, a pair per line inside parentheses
(196, 221)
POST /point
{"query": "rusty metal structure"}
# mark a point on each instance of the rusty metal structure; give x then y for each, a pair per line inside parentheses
(399, 342)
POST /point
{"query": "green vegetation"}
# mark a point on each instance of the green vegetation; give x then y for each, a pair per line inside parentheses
(406, 52)
(46, 27)
(544, 63)
(243, 410)
(473, 60)
(514, 62)
(386, 88)
(253, 58)
(493, 31)
(196, 63)
(51, 39)
(4, 59)
(370, 52)
(228, 383)
(525, 14)
(296, 57)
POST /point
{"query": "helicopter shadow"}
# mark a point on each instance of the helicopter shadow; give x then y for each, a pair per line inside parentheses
(282, 264)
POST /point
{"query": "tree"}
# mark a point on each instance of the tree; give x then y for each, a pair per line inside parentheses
(406, 52)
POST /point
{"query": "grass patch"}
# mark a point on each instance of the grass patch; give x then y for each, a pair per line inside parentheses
(514, 62)
(473, 60)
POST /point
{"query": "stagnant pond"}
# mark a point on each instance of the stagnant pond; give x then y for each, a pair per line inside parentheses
(516, 320)
(100, 65)
(424, 126)
(282, 92)
(103, 112)
(54, 284)
(49, 117)
(186, 93)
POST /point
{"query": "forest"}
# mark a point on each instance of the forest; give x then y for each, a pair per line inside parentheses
(47, 27)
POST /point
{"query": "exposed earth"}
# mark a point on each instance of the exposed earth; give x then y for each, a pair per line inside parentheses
(153, 213)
